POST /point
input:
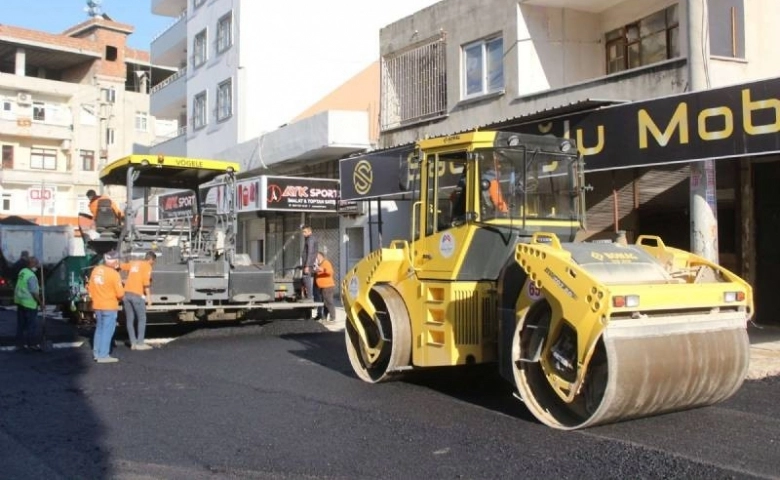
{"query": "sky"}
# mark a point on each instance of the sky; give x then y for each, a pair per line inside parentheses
(56, 16)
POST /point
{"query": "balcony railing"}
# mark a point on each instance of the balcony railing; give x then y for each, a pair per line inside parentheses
(169, 80)
(175, 22)
(178, 133)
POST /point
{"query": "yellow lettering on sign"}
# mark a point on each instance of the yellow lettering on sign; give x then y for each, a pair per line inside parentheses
(748, 107)
(679, 121)
(728, 120)
(591, 150)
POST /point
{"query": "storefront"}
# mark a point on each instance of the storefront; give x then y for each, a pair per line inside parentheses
(642, 160)
(271, 211)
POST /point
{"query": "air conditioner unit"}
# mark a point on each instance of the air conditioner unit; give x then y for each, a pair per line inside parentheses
(23, 98)
(104, 154)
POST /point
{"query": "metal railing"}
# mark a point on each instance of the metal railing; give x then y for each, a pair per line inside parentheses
(180, 132)
(169, 80)
(175, 22)
(414, 83)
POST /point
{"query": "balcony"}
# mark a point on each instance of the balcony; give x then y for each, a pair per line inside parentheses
(592, 6)
(169, 47)
(50, 177)
(170, 96)
(24, 126)
(174, 145)
(169, 8)
(326, 135)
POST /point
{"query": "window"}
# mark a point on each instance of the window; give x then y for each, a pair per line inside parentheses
(650, 40)
(224, 100)
(39, 111)
(8, 156)
(110, 136)
(6, 202)
(7, 105)
(727, 28)
(483, 67)
(87, 160)
(141, 121)
(43, 159)
(225, 32)
(199, 49)
(199, 119)
(414, 84)
(108, 95)
(111, 53)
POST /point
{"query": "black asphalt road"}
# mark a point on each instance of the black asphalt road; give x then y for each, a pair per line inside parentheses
(277, 402)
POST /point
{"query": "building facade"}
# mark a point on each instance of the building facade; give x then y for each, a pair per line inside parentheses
(566, 67)
(70, 103)
(281, 91)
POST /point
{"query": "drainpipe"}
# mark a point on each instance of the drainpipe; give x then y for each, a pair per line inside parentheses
(703, 201)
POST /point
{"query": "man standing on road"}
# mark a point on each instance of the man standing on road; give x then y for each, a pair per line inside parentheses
(309, 260)
(326, 282)
(138, 296)
(27, 297)
(105, 289)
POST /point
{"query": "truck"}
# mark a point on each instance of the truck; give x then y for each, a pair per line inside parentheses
(494, 273)
(199, 275)
(50, 244)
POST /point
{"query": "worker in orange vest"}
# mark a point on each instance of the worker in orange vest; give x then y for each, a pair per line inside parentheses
(105, 290)
(326, 282)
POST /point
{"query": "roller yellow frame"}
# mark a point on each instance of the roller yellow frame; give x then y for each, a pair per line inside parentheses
(588, 333)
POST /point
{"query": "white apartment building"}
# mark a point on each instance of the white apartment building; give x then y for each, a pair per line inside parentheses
(662, 96)
(247, 67)
(70, 103)
(247, 71)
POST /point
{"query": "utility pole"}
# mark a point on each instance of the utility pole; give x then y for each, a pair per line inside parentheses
(703, 198)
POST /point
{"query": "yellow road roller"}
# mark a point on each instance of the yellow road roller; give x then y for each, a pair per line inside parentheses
(587, 332)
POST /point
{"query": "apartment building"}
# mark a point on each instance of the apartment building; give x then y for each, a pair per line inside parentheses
(286, 89)
(694, 77)
(70, 102)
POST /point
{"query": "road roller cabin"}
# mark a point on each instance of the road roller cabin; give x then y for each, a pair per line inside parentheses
(587, 332)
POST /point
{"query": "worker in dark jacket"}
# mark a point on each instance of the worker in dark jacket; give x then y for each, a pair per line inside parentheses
(309, 261)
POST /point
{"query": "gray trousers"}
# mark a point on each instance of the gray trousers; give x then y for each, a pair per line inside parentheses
(135, 309)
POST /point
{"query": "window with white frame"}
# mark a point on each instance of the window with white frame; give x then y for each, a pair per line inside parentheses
(199, 119)
(6, 206)
(110, 136)
(225, 32)
(483, 67)
(413, 83)
(649, 40)
(141, 121)
(199, 48)
(224, 100)
(43, 158)
(39, 111)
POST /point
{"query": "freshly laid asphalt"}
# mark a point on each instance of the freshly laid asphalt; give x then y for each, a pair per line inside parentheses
(764, 340)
